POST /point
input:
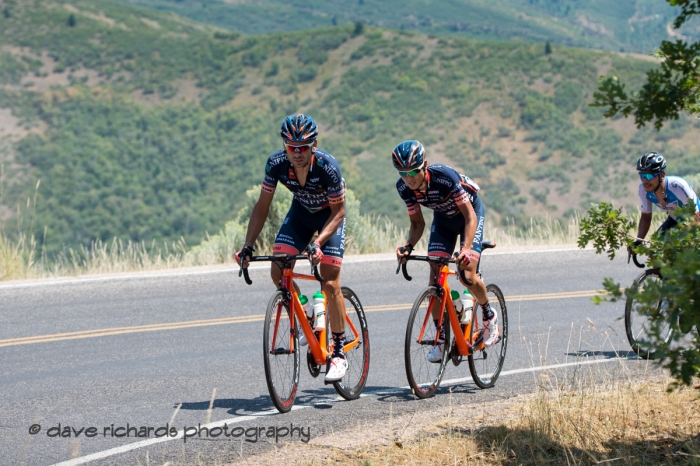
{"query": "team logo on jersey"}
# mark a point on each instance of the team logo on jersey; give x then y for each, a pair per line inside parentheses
(267, 168)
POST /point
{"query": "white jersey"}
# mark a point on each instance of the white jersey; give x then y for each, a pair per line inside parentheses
(678, 193)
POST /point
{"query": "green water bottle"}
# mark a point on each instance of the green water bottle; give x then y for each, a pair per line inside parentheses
(307, 306)
(454, 294)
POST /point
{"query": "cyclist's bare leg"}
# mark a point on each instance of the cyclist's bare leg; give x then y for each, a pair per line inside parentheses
(336, 303)
(478, 289)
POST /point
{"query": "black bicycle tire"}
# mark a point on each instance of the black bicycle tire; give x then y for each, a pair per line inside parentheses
(354, 392)
(283, 405)
(415, 386)
(634, 342)
(503, 323)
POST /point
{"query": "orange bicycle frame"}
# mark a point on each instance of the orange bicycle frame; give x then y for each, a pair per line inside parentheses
(465, 346)
(319, 353)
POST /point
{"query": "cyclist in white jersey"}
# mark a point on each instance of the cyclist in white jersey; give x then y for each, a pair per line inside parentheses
(667, 192)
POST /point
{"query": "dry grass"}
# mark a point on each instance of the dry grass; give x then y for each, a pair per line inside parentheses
(623, 425)
(23, 258)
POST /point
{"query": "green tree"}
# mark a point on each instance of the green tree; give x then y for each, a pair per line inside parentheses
(670, 89)
(677, 257)
(71, 20)
(547, 48)
(359, 29)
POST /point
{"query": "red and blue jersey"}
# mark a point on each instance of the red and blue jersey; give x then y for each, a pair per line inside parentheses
(447, 190)
(324, 183)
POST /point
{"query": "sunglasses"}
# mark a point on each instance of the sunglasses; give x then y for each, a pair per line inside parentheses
(411, 173)
(300, 149)
(648, 176)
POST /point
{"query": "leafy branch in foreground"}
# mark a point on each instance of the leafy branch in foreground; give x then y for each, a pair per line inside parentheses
(669, 90)
(606, 228)
(673, 301)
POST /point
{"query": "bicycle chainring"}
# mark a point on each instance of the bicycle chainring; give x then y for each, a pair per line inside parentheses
(314, 369)
(454, 354)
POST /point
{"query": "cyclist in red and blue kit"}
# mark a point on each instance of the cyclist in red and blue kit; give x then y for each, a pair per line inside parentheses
(458, 212)
(318, 207)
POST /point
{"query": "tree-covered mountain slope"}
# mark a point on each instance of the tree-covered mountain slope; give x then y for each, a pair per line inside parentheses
(627, 25)
(143, 125)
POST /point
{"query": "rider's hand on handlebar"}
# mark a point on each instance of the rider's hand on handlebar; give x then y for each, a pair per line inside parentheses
(403, 252)
(316, 254)
(630, 249)
(463, 258)
(244, 255)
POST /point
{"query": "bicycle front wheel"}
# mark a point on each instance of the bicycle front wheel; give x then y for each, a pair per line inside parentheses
(423, 376)
(485, 364)
(638, 319)
(351, 386)
(281, 352)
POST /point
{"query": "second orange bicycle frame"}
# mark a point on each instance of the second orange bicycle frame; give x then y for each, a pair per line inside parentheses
(463, 348)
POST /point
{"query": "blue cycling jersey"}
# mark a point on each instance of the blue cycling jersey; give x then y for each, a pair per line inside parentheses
(678, 193)
(324, 183)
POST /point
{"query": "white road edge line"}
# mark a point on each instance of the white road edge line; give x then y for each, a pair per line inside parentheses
(235, 420)
(232, 269)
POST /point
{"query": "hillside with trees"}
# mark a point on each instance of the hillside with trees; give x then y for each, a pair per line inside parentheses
(622, 25)
(123, 121)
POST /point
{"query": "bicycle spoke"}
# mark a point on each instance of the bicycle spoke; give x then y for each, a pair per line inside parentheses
(280, 353)
(639, 319)
(356, 348)
(485, 364)
(423, 376)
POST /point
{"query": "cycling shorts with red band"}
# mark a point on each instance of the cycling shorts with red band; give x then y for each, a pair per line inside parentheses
(445, 230)
(298, 230)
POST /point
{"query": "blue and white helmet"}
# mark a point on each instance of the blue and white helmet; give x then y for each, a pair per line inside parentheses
(408, 155)
(651, 162)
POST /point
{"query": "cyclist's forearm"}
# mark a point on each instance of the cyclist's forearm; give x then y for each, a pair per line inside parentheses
(415, 232)
(256, 223)
(469, 223)
(644, 224)
(469, 231)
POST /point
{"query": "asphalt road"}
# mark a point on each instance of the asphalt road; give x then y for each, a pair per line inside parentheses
(185, 350)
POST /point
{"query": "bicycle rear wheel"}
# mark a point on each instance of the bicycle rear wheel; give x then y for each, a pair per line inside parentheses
(281, 352)
(638, 319)
(351, 386)
(424, 377)
(485, 364)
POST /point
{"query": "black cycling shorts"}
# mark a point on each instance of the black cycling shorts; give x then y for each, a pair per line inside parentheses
(445, 230)
(298, 230)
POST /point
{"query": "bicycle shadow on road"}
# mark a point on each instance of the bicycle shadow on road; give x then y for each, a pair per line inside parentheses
(605, 354)
(394, 394)
(320, 398)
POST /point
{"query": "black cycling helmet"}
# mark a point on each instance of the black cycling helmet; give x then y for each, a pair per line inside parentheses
(651, 162)
(408, 155)
(299, 128)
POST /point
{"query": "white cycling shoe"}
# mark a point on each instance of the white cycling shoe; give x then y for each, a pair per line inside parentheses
(435, 354)
(492, 334)
(337, 370)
